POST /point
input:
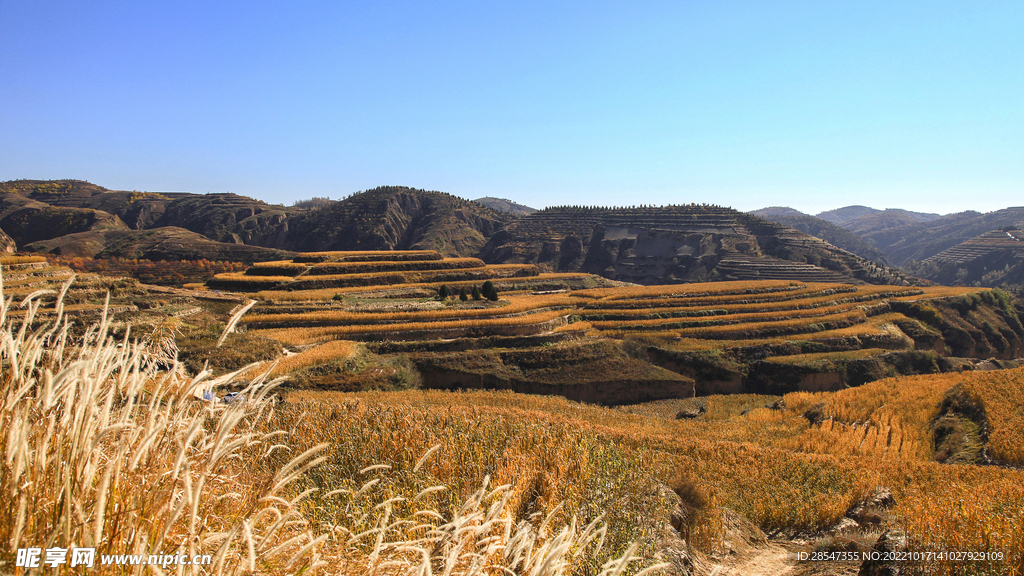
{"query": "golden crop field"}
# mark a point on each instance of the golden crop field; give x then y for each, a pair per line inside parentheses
(753, 287)
(517, 304)
(331, 350)
(11, 260)
(298, 336)
(825, 356)
(771, 466)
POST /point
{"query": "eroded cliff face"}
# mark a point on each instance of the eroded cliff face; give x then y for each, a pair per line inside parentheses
(7, 245)
(671, 244)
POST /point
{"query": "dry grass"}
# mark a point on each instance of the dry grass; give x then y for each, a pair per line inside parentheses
(102, 449)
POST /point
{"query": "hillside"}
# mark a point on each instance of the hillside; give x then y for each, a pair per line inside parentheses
(995, 258)
(397, 218)
(829, 232)
(917, 242)
(505, 205)
(167, 243)
(672, 244)
(26, 220)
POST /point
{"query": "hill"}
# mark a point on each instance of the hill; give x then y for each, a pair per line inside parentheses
(167, 243)
(829, 232)
(776, 211)
(673, 244)
(885, 220)
(26, 220)
(505, 205)
(397, 218)
(846, 214)
(846, 217)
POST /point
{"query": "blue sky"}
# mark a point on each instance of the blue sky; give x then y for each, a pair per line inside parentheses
(814, 105)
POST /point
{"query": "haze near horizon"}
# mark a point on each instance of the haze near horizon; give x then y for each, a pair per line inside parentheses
(912, 106)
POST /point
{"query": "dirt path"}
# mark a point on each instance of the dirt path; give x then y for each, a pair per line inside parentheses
(771, 560)
(779, 559)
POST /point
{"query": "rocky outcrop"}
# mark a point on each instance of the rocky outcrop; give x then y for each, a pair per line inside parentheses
(7, 245)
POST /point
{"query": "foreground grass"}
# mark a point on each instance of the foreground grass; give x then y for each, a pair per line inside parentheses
(105, 446)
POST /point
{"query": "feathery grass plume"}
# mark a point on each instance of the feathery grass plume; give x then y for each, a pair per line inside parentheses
(234, 321)
(102, 449)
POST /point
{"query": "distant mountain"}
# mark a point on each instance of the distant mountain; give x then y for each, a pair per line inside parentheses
(886, 220)
(777, 211)
(839, 216)
(504, 205)
(871, 217)
(829, 232)
(674, 244)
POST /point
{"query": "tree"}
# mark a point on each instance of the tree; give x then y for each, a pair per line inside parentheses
(462, 294)
(493, 295)
(487, 289)
(476, 292)
(442, 292)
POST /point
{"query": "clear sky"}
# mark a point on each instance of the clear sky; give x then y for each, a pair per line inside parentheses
(814, 105)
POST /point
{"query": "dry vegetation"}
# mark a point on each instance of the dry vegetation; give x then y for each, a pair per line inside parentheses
(106, 447)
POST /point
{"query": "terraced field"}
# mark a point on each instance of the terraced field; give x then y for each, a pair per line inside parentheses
(764, 336)
(981, 246)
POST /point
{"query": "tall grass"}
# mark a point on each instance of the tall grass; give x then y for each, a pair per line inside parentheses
(103, 450)
(106, 447)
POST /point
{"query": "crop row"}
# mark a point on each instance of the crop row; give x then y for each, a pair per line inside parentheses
(380, 255)
(723, 288)
(683, 311)
(502, 284)
(744, 297)
(243, 282)
(338, 268)
(517, 305)
(307, 335)
(723, 320)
